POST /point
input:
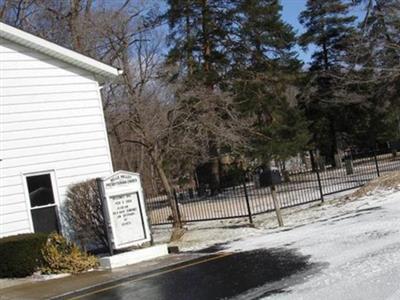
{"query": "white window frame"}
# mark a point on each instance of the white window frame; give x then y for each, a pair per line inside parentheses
(54, 186)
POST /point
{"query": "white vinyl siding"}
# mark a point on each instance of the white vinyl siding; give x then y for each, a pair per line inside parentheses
(51, 119)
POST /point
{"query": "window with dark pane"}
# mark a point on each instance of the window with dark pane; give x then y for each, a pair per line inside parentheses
(40, 190)
(45, 219)
(43, 208)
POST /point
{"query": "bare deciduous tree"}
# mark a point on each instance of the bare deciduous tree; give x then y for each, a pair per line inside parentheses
(155, 126)
(83, 213)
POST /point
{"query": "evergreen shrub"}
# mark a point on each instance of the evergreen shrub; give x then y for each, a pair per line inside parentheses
(21, 254)
(62, 256)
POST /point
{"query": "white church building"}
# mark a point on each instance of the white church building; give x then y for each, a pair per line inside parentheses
(52, 128)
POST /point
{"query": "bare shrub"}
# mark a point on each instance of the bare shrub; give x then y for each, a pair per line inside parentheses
(83, 213)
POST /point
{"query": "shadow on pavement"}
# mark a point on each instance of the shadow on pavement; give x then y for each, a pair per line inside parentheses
(225, 277)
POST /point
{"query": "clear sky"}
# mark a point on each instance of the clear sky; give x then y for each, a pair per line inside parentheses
(290, 13)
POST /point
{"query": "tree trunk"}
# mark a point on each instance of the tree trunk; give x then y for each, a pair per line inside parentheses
(207, 46)
(73, 25)
(215, 183)
(334, 146)
(122, 149)
(189, 58)
(313, 163)
(325, 55)
(175, 214)
(206, 41)
(142, 159)
(3, 9)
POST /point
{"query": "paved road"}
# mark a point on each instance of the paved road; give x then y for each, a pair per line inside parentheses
(247, 275)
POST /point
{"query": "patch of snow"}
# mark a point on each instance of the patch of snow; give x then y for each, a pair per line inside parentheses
(201, 235)
(356, 240)
(359, 241)
(9, 282)
(42, 277)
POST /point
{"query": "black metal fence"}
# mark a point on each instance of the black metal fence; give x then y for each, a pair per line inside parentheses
(251, 197)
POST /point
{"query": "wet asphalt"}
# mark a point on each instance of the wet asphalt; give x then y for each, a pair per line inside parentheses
(242, 275)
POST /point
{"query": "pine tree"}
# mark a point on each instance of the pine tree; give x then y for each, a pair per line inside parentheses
(329, 27)
(264, 73)
(377, 77)
(244, 47)
(198, 32)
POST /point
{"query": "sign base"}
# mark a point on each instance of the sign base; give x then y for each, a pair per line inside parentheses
(133, 257)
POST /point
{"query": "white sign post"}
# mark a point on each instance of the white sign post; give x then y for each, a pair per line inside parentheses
(124, 210)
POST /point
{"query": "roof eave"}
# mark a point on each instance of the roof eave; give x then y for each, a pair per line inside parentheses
(41, 45)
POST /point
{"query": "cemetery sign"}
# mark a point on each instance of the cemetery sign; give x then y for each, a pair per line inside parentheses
(124, 210)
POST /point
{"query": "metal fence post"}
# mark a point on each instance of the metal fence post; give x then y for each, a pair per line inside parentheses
(177, 207)
(316, 166)
(320, 184)
(376, 164)
(246, 195)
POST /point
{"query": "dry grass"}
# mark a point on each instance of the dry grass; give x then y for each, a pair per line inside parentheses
(388, 181)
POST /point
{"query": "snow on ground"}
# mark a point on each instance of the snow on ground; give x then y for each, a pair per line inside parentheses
(302, 188)
(358, 244)
(355, 241)
(200, 235)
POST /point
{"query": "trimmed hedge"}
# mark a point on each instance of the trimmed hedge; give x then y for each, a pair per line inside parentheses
(21, 254)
